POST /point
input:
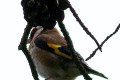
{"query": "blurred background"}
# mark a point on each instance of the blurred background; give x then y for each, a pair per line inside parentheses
(100, 16)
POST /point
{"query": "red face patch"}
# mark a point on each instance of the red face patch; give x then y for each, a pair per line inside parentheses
(33, 32)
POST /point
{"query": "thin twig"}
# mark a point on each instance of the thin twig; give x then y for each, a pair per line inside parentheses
(22, 46)
(74, 55)
(106, 39)
(82, 24)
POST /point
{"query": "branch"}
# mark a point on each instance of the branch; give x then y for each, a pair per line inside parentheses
(106, 39)
(74, 54)
(22, 46)
(82, 24)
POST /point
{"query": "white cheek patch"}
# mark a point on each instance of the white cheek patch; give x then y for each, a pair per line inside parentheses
(40, 29)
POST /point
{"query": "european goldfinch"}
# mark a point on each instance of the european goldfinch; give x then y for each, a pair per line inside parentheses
(52, 57)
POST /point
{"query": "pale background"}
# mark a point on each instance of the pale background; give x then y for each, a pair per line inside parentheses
(100, 16)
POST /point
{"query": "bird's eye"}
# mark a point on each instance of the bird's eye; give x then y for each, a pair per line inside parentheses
(33, 32)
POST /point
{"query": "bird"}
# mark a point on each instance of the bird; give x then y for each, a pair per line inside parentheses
(52, 57)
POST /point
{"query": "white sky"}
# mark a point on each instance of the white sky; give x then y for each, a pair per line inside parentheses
(100, 16)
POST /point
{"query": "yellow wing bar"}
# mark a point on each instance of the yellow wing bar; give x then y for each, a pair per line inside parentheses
(57, 51)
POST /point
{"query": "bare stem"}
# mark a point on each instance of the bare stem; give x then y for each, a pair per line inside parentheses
(106, 39)
(22, 46)
(72, 50)
(82, 24)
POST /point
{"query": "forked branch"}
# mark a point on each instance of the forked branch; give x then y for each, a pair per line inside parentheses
(106, 39)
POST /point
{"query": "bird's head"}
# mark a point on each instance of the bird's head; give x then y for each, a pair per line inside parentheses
(34, 33)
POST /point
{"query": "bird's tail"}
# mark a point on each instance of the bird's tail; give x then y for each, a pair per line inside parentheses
(94, 72)
(89, 69)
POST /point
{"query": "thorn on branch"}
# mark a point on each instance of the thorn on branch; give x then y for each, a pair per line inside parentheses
(106, 39)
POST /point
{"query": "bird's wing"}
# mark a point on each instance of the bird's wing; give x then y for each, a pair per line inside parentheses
(57, 49)
(53, 48)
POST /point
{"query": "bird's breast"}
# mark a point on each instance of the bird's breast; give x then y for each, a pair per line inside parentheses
(46, 63)
(44, 57)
